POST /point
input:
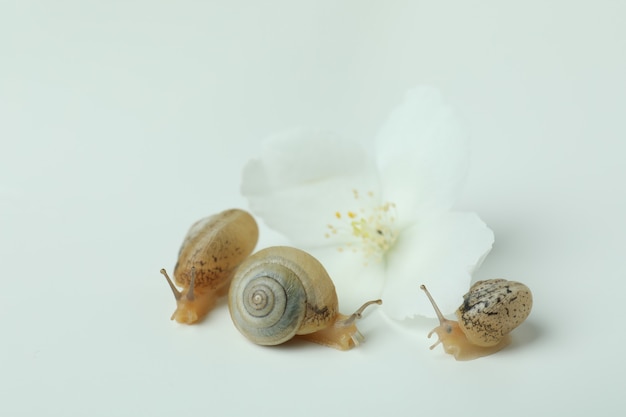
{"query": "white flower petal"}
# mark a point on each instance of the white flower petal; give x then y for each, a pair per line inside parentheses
(305, 177)
(422, 155)
(355, 281)
(302, 179)
(440, 251)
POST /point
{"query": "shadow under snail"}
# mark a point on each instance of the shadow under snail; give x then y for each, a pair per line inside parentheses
(211, 252)
(282, 292)
(489, 312)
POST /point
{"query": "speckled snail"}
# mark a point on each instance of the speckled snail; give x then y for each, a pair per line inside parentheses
(490, 311)
(211, 251)
(282, 292)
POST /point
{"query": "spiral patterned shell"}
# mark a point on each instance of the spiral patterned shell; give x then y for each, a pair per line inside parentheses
(280, 292)
(492, 309)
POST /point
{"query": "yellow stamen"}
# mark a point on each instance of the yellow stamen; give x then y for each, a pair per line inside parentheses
(372, 225)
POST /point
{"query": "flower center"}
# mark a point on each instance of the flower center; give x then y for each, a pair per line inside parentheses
(371, 224)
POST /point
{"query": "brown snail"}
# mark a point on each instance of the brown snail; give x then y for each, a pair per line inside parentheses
(490, 311)
(211, 252)
(282, 292)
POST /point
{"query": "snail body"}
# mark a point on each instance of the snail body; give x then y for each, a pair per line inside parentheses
(208, 257)
(491, 309)
(283, 292)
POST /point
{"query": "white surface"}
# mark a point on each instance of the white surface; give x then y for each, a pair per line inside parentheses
(124, 122)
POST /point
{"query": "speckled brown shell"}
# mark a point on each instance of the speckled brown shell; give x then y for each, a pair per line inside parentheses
(215, 246)
(279, 292)
(493, 308)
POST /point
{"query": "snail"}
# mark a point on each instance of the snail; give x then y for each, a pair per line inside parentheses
(490, 311)
(282, 292)
(211, 251)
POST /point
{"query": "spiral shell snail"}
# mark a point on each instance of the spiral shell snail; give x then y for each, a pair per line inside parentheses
(211, 251)
(490, 311)
(280, 292)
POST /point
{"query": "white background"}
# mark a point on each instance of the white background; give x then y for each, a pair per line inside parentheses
(122, 122)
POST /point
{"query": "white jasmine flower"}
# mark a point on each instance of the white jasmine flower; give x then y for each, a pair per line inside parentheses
(380, 221)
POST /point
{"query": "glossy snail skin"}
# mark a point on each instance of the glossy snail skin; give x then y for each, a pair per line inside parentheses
(282, 292)
(491, 309)
(211, 251)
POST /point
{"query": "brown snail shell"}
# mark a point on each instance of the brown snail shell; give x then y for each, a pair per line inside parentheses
(211, 252)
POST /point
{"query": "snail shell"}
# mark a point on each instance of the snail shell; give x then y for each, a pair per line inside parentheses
(211, 252)
(491, 309)
(281, 292)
